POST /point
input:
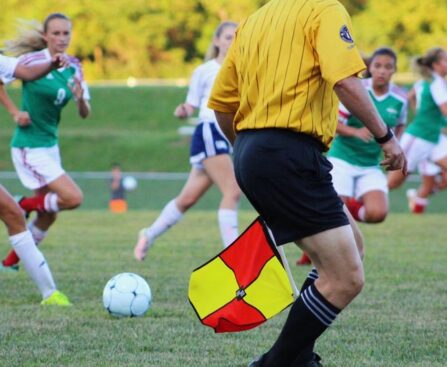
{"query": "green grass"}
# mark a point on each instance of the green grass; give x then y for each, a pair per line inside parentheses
(133, 126)
(398, 320)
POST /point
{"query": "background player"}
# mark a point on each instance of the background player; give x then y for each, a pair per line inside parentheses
(20, 237)
(210, 154)
(429, 95)
(35, 149)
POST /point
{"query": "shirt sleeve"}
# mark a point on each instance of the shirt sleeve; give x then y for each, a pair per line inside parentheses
(7, 67)
(225, 93)
(438, 91)
(195, 91)
(79, 74)
(331, 37)
(343, 114)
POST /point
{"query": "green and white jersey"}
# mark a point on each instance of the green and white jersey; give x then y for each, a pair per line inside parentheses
(429, 120)
(44, 100)
(392, 108)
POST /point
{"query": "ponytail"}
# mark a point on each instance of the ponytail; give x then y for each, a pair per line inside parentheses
(424, 64)
(30, 35)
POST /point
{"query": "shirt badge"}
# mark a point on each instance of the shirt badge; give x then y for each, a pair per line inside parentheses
(345, 35)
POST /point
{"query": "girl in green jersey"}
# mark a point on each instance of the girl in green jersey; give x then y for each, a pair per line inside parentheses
(35, 149)
(429, 96)
(20, 237)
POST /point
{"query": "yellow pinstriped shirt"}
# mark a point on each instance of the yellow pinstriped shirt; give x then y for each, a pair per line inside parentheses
(282, 66)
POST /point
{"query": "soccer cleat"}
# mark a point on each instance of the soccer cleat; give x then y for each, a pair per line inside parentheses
(9, 269)
(143, 244)
(303, 260)
(256, 362)
(315, 361)
(57, 298)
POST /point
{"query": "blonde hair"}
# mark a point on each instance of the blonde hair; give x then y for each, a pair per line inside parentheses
(30, 35)
(424, 64)
(213, 50)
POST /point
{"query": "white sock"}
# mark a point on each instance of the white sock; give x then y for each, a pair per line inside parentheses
(228, 225)
(37, 233)
(50, 203)
(169, 216)
(421, 201)
(362, 213)
(34, 262)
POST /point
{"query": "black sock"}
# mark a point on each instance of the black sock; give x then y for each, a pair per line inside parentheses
(307, 352)
(309, 317)
(311, 278)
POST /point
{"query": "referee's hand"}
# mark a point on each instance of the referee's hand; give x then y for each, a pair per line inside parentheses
(394, 157)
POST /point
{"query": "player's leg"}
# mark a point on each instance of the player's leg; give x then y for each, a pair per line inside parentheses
(416, 150)
(61, 194)
(38, 227)
(418, 198)
(23, 243)
(221, 171)
(196, 185)
(372, 192)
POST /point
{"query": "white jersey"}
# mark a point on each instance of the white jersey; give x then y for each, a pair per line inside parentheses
(7, 66)
(200, 87)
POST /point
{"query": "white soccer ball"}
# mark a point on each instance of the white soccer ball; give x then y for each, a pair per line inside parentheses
(130, 183)
(127, 294)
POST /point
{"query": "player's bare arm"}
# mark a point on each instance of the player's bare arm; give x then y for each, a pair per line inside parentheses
(20, 117)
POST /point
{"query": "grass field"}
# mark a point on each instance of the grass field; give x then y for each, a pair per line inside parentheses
(133, 126)
(399, 320)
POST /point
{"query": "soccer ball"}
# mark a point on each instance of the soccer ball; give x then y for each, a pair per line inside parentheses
(130, 183)
(127, 294)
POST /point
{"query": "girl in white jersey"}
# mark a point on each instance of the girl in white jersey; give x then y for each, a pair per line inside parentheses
(210, 154)
(20, 237)
(35, 149)
(429, 96)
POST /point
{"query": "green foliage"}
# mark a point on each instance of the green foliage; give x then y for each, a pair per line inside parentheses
(168, 38)
(398, 320)
(410, 27)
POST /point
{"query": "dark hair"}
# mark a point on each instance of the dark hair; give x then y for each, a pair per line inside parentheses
(382, 51)
(52, 16)
(424, 64)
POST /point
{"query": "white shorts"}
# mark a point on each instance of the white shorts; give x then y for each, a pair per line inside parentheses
(37, 167)
(356, 181)
(416, 150)
(428, 167)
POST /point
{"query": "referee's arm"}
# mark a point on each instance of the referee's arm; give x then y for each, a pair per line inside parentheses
(225, 121)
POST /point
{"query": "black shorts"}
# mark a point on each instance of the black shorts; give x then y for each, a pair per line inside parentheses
(286, 178)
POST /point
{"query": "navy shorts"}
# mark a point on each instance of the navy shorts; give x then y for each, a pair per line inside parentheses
(207, 141)
(287, 179)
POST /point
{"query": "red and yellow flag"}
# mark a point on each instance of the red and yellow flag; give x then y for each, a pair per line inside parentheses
(243, 286)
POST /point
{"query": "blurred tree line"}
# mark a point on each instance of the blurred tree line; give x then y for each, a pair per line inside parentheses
(167, 38)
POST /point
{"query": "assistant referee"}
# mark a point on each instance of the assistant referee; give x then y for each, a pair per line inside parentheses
(274, 98)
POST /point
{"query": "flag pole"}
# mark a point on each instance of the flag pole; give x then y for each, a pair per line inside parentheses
(285, 262)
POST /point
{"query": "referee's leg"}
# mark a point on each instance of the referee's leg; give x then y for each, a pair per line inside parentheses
(336, 257)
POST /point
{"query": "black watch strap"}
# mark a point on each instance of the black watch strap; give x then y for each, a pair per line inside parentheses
(386, 138)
